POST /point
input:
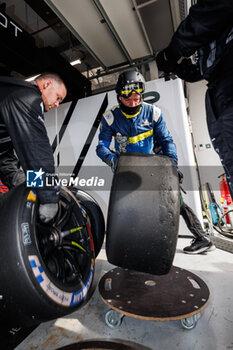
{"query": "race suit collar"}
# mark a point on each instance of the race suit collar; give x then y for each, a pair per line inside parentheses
(131, 115)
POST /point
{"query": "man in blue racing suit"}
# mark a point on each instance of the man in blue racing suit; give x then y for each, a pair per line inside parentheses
(133, 124)
(135, 127)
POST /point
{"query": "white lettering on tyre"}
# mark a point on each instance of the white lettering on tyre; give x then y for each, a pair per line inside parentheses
(26, 233)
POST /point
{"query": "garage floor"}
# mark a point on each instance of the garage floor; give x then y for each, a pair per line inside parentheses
(214, 329)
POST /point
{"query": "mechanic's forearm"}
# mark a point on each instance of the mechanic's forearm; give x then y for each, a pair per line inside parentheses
(205, 21)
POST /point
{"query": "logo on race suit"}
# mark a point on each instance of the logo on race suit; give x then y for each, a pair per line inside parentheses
(35, 178)
(146, 122)
(123, 141)
(108, 115)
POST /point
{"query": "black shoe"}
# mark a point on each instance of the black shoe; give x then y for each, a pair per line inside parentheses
(199, 245)
(211, 247)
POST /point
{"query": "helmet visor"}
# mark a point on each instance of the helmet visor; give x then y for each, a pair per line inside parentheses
(129, 89)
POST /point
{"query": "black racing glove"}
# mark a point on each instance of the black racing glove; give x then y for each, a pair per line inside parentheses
(188, 71)
(165, 61)
(180, 176)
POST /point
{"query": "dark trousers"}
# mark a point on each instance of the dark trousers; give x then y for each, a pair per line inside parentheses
(219, 111)
(191, 221)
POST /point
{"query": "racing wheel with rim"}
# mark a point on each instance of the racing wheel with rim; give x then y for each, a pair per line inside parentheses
(47, 270)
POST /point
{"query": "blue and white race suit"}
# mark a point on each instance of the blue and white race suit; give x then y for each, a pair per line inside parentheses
(134, 133)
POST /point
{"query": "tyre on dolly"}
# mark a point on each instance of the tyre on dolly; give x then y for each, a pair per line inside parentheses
(143, 213)
(47, 270)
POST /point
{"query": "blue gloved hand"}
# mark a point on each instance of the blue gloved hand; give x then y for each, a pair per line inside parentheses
(47, 211)
(111, 160)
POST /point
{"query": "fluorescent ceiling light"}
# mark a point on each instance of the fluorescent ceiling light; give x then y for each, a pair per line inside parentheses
(78, 61)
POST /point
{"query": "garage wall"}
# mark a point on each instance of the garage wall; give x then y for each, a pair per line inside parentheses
(75, 125)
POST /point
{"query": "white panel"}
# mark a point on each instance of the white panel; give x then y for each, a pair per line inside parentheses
(175, 10)
(91, 159)
(53, 122)
(85, 20)
(78, 129)
(125, 21)
(210, 166)
(50, 123)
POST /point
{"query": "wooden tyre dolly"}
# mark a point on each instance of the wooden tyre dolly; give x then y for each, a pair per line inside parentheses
(178, 295)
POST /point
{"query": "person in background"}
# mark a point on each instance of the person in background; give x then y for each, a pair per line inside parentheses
(136, 126)
(23, 136)
(202, 48)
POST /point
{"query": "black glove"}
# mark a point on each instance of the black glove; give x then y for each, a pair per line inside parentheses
(188, 71)
(180, 176)
(165, 61)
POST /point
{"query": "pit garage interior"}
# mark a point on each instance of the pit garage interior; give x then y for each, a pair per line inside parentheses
(89, 42)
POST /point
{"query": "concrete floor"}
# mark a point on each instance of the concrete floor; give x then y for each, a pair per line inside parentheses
(214, 330)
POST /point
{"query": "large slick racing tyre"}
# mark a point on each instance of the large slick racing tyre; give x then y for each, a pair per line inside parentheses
(46, 270)
(143, 214)
(94, 216)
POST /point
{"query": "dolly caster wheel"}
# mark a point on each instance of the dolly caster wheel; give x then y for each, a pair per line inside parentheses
(113, 319)
(190, 322)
